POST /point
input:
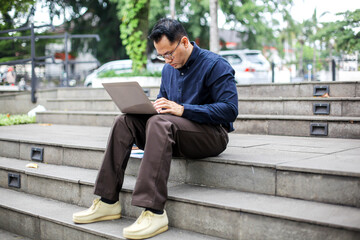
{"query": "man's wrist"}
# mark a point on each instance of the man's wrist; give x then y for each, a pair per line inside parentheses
(181, 110)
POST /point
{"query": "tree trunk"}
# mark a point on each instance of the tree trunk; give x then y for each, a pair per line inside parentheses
(314, 63)
(214, 34)
(172, 9)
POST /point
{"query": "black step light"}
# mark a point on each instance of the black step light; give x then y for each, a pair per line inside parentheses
(14, 180)
(37, 154)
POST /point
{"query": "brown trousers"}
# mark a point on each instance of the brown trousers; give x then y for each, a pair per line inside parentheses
(161, 137)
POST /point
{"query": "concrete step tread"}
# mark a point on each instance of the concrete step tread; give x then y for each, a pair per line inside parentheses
(266, 205)
(324, 156)
(61, 213)
(299, 118)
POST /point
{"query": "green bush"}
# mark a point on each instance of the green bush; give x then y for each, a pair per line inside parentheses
(7, 119)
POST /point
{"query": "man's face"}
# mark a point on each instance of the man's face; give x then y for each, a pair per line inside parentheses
(175, 53)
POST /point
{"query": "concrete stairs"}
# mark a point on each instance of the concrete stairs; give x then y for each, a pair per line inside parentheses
(261, 187)
(300, 109)
(274, 109)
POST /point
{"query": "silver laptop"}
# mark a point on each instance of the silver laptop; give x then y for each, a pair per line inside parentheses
(129, 97)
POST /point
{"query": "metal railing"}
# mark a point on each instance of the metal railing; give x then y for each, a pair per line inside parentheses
(325, 70)
(36, 60)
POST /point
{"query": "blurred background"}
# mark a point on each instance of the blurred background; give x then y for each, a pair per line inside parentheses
(269, 41)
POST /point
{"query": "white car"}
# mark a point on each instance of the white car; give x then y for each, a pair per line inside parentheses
(119, 66)
(250, 66)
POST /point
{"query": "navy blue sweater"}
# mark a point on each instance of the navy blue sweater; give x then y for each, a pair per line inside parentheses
(205, 86)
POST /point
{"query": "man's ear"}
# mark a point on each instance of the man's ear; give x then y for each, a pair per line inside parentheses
(185, 41)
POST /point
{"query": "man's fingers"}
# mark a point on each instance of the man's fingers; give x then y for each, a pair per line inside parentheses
(163, 105)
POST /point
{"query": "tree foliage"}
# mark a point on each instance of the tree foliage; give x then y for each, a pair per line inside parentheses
(10, 12)
(133, 30)
(18, 7)
(254, 19)
(123, 25)
(345, 32)
(92, 17)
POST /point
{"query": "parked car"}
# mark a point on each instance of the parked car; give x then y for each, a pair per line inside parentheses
(119, 66)
(250, 66)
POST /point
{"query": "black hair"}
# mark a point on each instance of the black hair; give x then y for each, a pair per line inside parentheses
(172, 29)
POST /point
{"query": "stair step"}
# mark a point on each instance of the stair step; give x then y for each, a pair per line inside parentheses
(272, 165)
(82, 104)
(300, 106)
(287, 125)
(88, 118)
(303, 89)
(292, 125)
(216, 212)
(96, 92)
(42, 218)
(263, 106)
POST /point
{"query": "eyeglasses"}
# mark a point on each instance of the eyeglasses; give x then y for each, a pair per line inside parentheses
(168, 56)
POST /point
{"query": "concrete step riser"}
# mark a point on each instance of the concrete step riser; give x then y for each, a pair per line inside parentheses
(21, 103)
(336, 108)
(319, 187)
(100, 120)
(336, 89)
(189, 216)
(296, 128)
(90, 105)
(264, 180)
(96, 93)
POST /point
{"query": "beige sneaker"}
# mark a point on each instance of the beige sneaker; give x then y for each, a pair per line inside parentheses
(99, 211)
(147, 225)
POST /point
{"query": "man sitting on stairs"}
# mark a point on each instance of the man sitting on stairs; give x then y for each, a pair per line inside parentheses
(197, 104)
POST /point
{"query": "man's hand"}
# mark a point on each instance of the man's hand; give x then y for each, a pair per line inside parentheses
(162, 105)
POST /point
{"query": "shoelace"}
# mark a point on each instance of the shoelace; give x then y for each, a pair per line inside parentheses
(145, 215)
(95, 203)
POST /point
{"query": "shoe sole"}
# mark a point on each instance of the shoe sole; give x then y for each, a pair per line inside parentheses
(105, 218)
(161, 230)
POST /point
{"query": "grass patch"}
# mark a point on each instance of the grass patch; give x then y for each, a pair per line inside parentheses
(7, 119)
